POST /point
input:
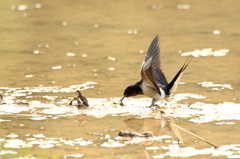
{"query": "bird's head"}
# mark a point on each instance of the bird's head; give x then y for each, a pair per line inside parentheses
(132, 90)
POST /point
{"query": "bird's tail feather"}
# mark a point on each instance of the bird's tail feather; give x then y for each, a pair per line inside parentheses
(172, 86)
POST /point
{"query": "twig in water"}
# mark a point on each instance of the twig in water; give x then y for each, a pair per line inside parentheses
(194, 135)
(82, 101)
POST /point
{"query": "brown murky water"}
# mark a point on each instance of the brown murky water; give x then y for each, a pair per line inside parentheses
(49, 49)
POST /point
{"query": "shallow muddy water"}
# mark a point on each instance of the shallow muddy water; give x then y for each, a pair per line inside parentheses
(49, 49)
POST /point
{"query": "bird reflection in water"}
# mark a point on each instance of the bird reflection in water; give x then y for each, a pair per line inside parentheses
(146, 128)
(149, 128)
(80, 119)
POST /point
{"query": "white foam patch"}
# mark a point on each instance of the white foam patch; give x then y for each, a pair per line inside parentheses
(76, 155)
(152, 148)
(1, 120)
(111, 58)
(100, 107)
(38, 118)
(46, 145)
(70, 54)
(39, 136)
(57, 67)
(183, 6)
(82, 142)
(12, 135)
(206, 52)
(112, 144)
(158, 156)
(14, 143)
(212, 85)
(42, 143)
(14, 109)
(57, 110)
(5, 152)
(176, 151)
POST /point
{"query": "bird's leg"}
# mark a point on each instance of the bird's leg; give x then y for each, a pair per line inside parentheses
(153, 102)
(155, 107)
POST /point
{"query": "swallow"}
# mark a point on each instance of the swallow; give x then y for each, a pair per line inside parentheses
(154, 83)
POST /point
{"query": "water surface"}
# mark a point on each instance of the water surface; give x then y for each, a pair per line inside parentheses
(50, 49)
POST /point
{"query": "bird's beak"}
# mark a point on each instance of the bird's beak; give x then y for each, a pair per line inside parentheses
(121, 101)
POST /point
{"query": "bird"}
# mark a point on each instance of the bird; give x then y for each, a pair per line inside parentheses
(154, 83)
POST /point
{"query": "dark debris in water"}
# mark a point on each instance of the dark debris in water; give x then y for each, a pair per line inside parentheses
(1, 98)
(21, 103)
(81, 100)
(135, 134)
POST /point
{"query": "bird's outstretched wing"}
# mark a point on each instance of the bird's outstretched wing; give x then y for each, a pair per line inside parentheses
(151, 71)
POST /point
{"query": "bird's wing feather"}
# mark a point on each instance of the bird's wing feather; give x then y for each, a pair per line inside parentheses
(147, 75)
(152, 60)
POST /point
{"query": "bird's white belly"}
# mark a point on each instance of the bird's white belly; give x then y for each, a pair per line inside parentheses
(152, 93)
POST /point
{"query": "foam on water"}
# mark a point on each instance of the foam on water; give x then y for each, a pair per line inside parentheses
(100, 107)
(206, 52)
